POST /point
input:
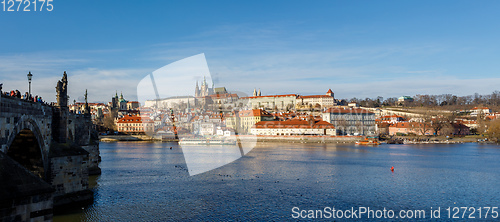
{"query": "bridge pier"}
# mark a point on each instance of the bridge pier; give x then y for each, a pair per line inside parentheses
(69, 175)
(24, 196)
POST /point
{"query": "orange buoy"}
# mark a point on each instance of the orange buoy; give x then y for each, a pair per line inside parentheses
(392, 168)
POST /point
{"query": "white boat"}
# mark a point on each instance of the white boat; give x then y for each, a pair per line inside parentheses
(206, 141)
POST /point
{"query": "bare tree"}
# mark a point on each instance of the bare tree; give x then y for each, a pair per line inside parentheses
(390, 101)
(109, 120)
(481, 123)
(424, 123)
(441, 122)
(494, 130)
(341, 125)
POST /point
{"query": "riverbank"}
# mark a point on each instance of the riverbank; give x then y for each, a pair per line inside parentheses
(247, 138)
(116, 138)
(436, 139)
(319, 139)
(303, 139)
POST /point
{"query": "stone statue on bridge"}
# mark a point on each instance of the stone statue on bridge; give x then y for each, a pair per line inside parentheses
(87, 108)
(62, 91)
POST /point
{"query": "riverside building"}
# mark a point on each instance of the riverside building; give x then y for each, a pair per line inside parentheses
(351, 121)
(294, 127)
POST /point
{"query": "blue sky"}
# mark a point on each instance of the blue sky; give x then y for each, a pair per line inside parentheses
(356, 48)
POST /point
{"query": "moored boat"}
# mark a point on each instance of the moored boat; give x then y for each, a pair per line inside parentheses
(368, 142)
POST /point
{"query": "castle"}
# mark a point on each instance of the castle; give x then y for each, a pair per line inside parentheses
(203, 90)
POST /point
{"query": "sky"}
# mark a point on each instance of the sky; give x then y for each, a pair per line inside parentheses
(357, 48)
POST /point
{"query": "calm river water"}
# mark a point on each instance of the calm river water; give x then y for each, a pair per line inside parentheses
(150, 182)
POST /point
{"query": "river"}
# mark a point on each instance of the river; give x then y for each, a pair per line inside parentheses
(275, 181)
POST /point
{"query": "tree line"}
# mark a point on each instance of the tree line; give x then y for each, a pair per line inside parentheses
(444, 100)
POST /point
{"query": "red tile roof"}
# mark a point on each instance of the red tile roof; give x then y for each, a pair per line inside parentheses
(392, 116)
(342, 110)
(464, 121)
(134, 119)
(254, 112)
(225, 95)
(383, 125)
(490, 117)
(315, 96)
(254, 97)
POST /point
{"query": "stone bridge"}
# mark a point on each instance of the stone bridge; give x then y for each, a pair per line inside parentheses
(48, 147)
(17, 115)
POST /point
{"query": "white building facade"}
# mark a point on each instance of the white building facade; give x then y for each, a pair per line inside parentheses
(351, 121)
(293, 128)
(281, 102)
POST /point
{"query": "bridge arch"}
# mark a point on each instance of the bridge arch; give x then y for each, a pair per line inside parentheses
(26, 126)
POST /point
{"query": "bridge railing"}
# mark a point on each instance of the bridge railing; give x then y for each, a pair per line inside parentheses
(16, 105)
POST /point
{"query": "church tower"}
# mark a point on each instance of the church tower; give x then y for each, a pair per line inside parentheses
(204, 87)
(114, 101)
(203, 90)
(122, 103)
(197, 90)
(254, 92)
(330, 93)
(212, 90)
(259, 94)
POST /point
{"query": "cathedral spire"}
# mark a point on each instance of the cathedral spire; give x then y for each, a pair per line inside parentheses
(259, 94)
(254, 92)
(197, 90)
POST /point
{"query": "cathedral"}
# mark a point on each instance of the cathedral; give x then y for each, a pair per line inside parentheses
(203, 90)
(119, 103)
(255, 93)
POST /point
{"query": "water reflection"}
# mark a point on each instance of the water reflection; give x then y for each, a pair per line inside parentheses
(151, 182)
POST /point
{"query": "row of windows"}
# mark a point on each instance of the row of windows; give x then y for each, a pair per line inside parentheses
(130, 120)
(353, 117)
(315, 100)
(130, 129)
(134, 128)
(130, 124)
(291, 130)
(352, 122)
